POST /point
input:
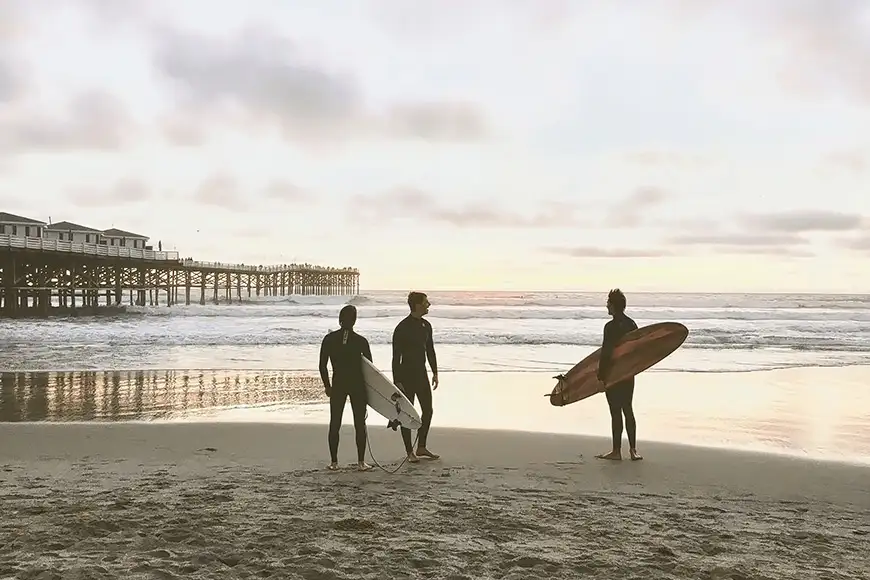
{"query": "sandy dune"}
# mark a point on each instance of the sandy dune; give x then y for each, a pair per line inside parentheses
(223, 500)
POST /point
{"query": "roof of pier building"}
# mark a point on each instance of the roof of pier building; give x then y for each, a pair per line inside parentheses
(69, 226)
(116, 233)
(11, 218)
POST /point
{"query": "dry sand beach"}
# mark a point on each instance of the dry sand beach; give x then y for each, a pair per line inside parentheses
(247, 500)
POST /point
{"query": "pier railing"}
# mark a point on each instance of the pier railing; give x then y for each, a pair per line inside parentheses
(51, 245)
(267, 269)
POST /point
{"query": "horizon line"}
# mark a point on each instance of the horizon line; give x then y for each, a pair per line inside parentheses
(684, 293)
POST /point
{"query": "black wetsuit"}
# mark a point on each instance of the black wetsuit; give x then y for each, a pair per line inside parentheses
(620, 395)
(412, 346)
(345, 349)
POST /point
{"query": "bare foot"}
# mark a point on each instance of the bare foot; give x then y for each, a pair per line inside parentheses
(412, 458)
(423, 452)
(613, 455)
(333, 466)
(363, 466)
(635, 456)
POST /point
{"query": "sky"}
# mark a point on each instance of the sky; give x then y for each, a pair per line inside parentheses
(668, 145)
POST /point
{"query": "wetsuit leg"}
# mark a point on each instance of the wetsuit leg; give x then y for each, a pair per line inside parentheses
(424, 393)
(358, 402)
(628, 411)
(406, 433)
(336, 410)
(615, 397)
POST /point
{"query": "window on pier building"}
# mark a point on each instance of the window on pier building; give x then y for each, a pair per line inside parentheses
(14, 230)
(2, 229)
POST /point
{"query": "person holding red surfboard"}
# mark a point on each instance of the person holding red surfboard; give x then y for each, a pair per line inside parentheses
(619, 395)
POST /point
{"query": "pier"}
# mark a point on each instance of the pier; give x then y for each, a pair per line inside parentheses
(40, 276)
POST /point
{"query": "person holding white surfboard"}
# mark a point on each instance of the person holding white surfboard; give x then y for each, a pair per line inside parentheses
(412, 346)
(344, 348)
(619, 395)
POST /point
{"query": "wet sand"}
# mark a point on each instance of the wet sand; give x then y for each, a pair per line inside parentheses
(254, 500)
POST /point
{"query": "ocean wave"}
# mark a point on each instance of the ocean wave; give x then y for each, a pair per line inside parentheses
(511, 313)
(60, 336)
(573, 300)
(513, 327)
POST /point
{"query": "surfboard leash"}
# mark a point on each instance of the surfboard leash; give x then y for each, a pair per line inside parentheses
(372, 455)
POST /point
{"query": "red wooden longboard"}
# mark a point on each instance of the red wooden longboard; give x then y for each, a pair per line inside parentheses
(635, 352)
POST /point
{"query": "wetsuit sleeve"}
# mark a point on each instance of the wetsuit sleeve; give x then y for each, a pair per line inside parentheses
(430, 350)
(606, 350)
(367, 350)
(398, 349)
(324, 358)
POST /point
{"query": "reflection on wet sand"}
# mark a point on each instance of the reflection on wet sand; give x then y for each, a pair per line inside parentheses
(145, 394)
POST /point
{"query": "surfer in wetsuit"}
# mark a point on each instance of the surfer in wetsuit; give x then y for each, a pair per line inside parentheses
(620, 395)
(412, 346)
(343, 348)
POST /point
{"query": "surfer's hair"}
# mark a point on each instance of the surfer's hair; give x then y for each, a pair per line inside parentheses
(415, 299)
(616, 299)
(347, 317)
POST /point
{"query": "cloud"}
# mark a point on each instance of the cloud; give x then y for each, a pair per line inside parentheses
(95, 121)
(125, 191)
(773, 244)
(435, 121)
(774, 234)
(266, 78)
(12, 82)
(854, 160)
(184, 131)
(830, 43)
(416, 204)
(220, 190)
(858, 244)
(631, 211)
(252, 232)
(800, 221)
(737, 240)
(12, 23)
(598, 252)
(285, 191)
(655, 157)
(818, 46)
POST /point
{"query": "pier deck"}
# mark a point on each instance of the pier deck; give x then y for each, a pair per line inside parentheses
(40, 277)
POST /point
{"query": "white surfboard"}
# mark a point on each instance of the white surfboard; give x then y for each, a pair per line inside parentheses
(386, 398)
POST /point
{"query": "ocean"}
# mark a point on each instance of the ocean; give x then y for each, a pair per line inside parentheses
(474, 331)
(767, 372)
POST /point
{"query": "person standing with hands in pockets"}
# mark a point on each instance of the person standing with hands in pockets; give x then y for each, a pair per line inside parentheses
(412, 347)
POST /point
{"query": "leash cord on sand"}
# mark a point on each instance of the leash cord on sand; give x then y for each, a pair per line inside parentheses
(372, 455)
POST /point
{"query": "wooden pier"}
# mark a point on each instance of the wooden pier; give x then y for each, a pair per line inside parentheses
(40, 276)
